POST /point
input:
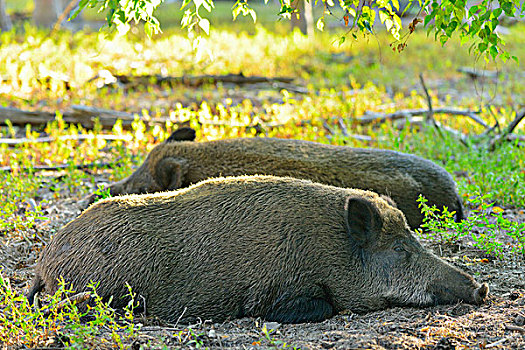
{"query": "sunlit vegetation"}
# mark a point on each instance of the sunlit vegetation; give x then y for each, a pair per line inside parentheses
(43, 73)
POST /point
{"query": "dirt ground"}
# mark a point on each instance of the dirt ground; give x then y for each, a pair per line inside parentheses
(498, 324)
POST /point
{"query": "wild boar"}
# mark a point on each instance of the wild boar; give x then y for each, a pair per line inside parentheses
(283, 249)
(179, 162)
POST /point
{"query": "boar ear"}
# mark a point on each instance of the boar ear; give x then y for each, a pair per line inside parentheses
(182, 134)
(362, 219)
(170, 173)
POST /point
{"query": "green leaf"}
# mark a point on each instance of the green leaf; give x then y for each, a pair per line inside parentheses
(253, 14)
(497, 12)
(482, 47)
(395, 3)
(148, 29)
(494, 51)
(205, 25)
(443, 39)
(320, 24)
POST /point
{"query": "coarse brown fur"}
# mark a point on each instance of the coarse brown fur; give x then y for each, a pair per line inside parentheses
(403, 177)
(283, 249)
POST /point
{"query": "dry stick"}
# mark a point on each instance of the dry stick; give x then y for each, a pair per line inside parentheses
(63, 15)
(478, 73)
(371, 117)
(515, 122)
(77, 298)
(55, 167)
(430, 114)
(199, 79)
(496, 343)
(511, 327)
(512, 125)
(18, 141)
(342, 125)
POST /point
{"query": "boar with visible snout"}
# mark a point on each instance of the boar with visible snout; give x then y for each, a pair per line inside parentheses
(283, 249)
(179, 162)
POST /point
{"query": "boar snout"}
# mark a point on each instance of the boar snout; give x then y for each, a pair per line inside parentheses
(481, 293)
(459, 288)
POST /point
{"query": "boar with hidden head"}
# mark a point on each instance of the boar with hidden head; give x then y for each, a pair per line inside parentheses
(283, 249)
(179, 162)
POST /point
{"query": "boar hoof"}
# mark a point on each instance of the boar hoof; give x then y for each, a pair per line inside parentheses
(481, 293)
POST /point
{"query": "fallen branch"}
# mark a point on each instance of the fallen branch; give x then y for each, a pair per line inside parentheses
(86, 116)
(371, 117)
(519, 117)
(82, 115)
(478, 73)
(505, 135)
(55, 167)
(19, 141)
(195, 81)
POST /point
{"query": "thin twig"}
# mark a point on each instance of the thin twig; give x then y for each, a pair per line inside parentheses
(371, 117)
(18, 141)
(496, 343)
(512, 327)
(505, 134)
(77, 298)
(515, 122)
(430, 114)
(342, 125)
(55, 167)
(328, 128)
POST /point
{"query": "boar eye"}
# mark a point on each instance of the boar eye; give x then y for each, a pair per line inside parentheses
(400, 248)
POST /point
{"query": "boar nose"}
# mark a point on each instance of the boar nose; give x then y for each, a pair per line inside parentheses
(481, 293)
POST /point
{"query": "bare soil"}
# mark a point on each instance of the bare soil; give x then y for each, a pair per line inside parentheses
(498, 324)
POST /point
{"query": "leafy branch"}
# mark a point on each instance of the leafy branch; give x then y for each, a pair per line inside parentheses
(476, 24)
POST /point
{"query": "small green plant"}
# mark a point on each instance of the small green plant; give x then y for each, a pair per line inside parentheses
(268, 335)
(60, 319)
(188, 337)
(18, 210)
(102, 192)
(485, 226)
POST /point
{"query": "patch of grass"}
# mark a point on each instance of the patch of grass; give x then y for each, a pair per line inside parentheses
(61, 322)
(18, 210)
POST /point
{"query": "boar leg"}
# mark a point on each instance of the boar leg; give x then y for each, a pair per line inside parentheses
(170, 172)
(299, 309)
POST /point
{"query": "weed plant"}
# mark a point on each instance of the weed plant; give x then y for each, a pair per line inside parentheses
(67, 324)
(486, 226)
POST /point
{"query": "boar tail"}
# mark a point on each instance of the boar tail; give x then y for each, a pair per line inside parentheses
(36, 286)
(182, 134)
(459, 210)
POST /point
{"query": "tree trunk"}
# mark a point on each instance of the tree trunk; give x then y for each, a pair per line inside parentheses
(5, 21)
(303, 18)
(45, 13)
